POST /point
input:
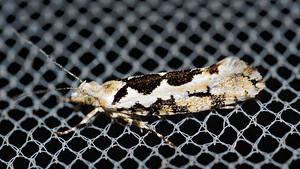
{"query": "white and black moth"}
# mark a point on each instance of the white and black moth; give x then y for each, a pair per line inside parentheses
(221, 85)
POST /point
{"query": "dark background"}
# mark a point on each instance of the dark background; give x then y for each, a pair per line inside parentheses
(101, 41)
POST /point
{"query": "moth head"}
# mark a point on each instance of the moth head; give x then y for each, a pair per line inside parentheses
(87, 93)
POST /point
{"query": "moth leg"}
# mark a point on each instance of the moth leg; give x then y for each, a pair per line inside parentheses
(140, 124)
(228, 107)
(83, 121)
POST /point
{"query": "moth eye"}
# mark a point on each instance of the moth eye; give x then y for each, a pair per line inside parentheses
(89, 100)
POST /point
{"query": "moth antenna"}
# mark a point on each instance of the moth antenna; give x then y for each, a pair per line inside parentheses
(45, 54)
(42, 91)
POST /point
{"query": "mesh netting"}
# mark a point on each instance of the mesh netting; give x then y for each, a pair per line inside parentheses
(105, 40)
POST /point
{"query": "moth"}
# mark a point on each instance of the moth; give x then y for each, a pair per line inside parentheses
(221, 85)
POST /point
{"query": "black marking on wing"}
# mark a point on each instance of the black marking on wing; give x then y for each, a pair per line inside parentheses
(180, 77)
(147, 83)
(213, 68)
(144, 84)
(177, 108)
(217, 100)
(120, 94)
(201, 94)
(253, 81)
(158, 105)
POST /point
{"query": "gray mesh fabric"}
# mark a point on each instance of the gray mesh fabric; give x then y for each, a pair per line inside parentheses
(105, 40)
